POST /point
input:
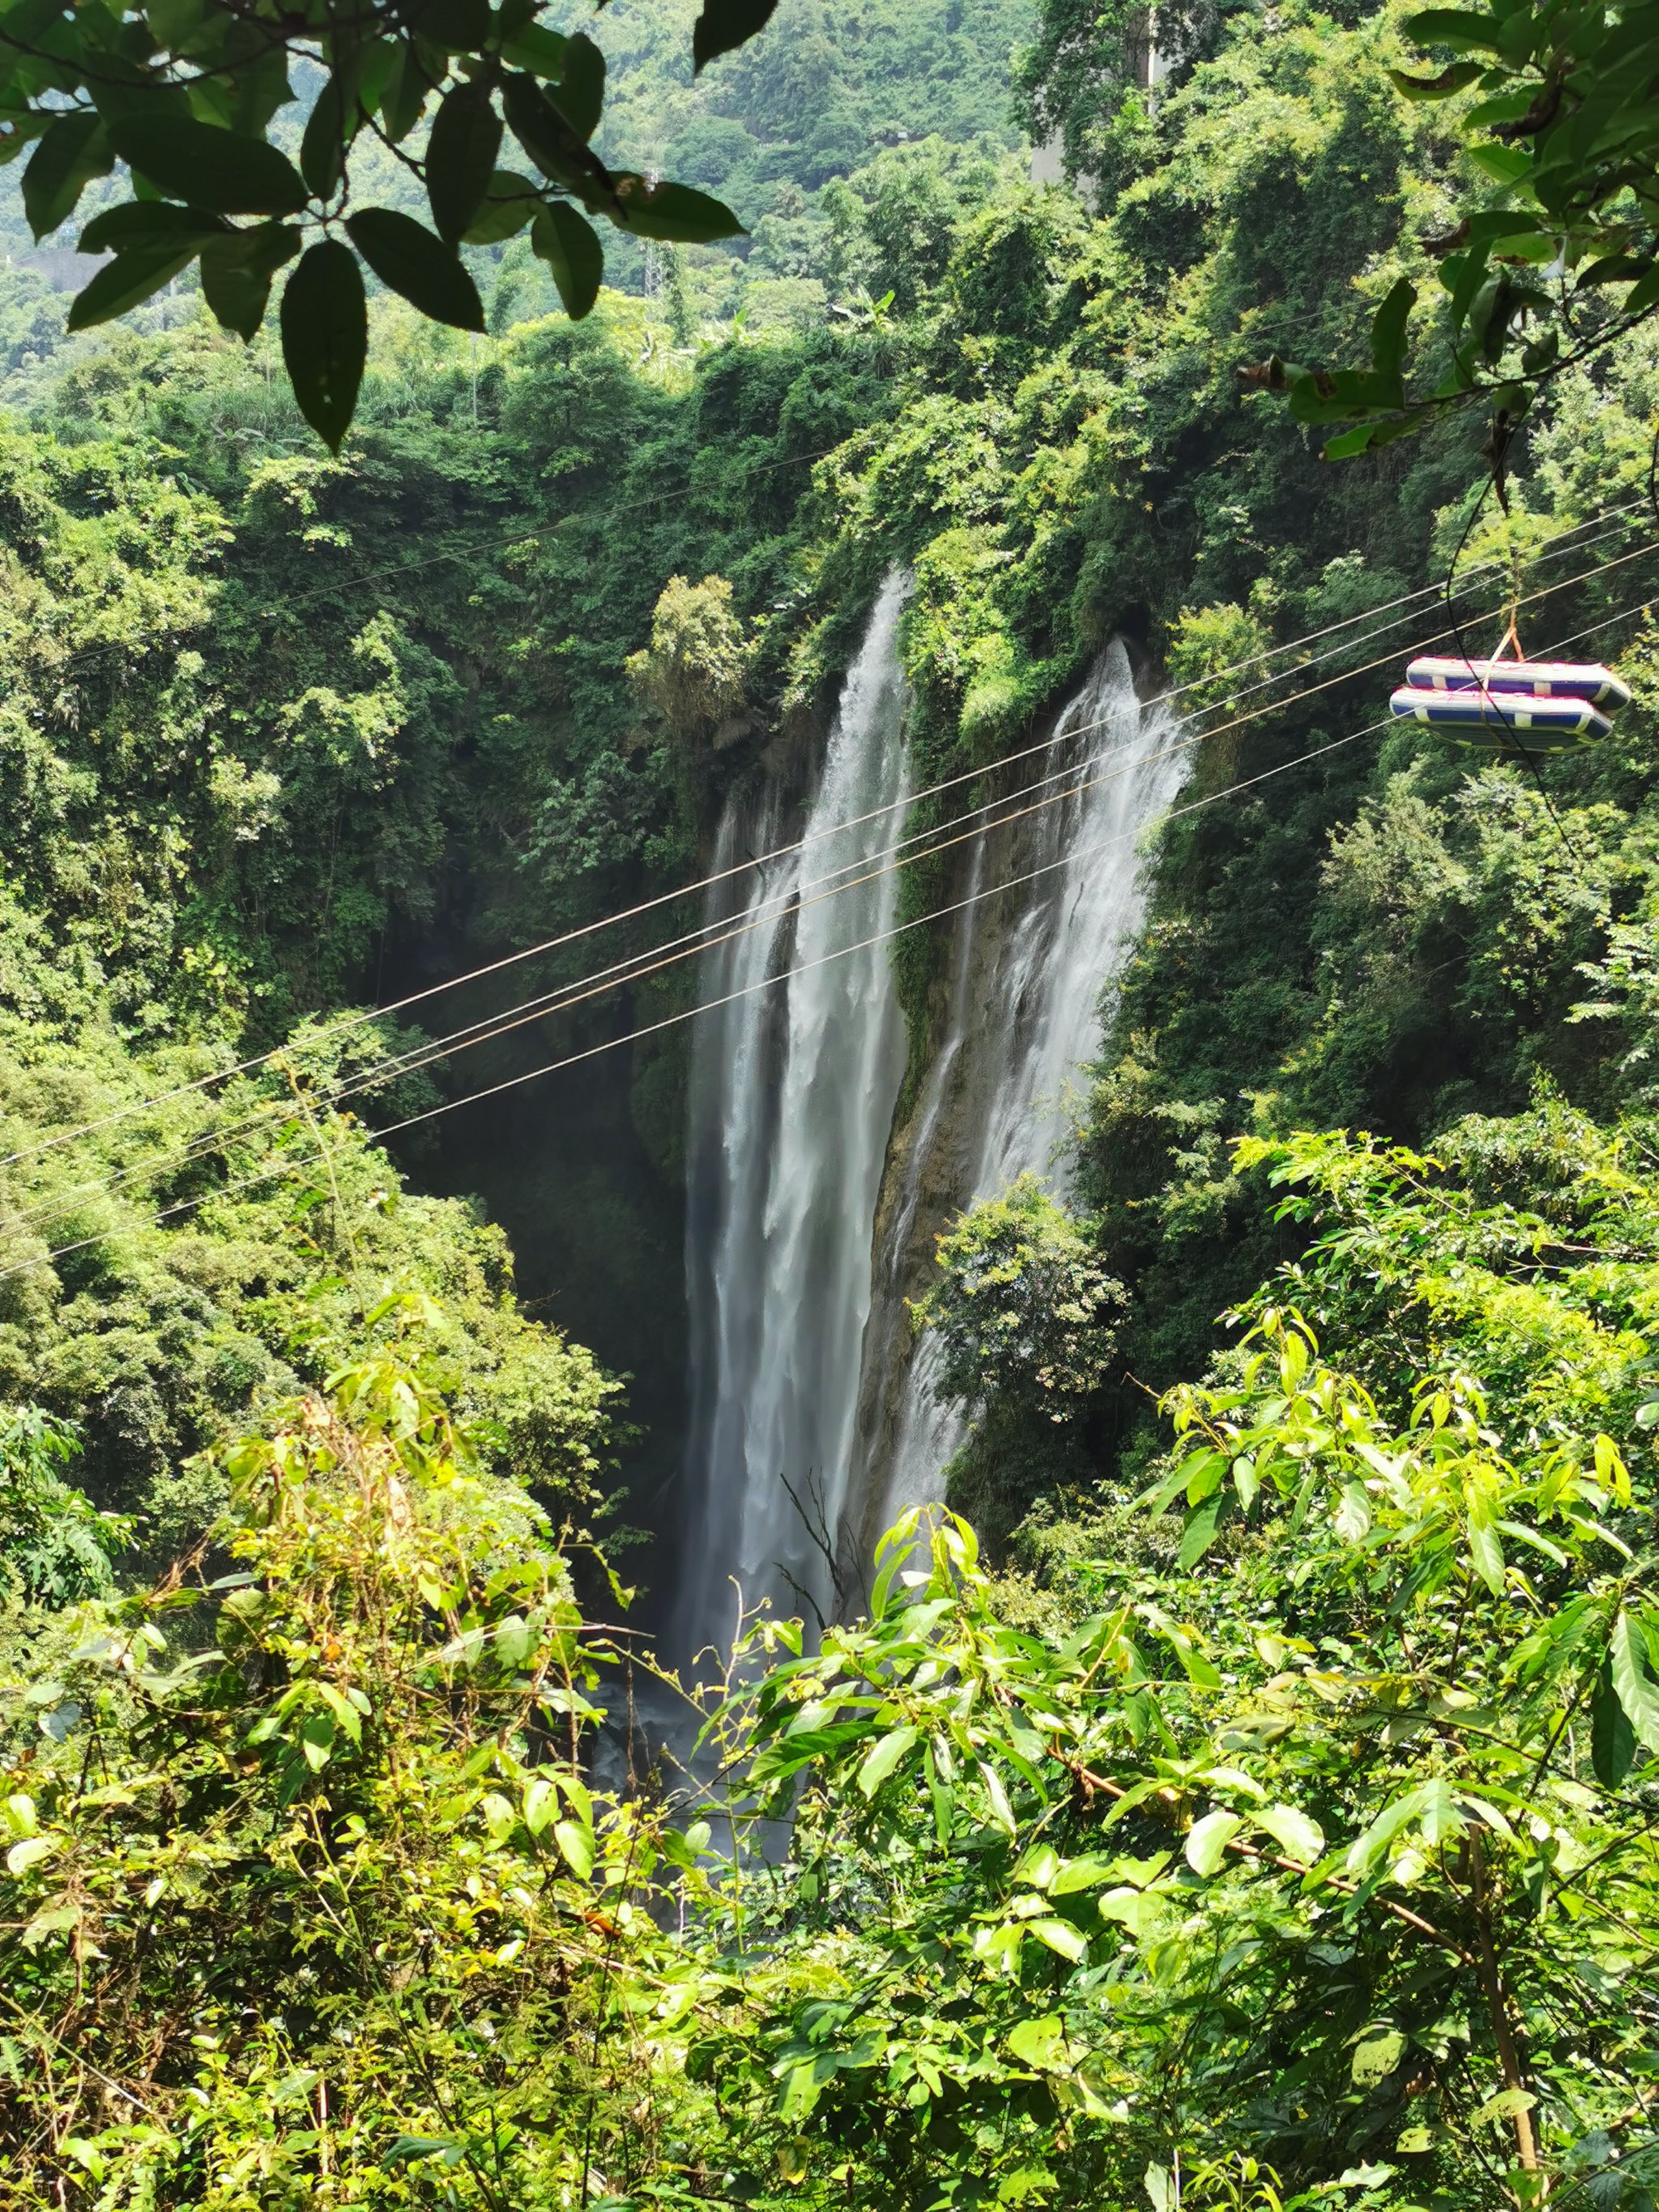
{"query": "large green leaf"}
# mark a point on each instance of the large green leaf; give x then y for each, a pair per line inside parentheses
(674, 213)
(550, 143)
(75, 150)
(579, 97)
(1040, 2042)
(208, 167)
(1298, 1835)
(149, 222)
(535, 48)
(326, 338)
(456, 26)
(1636, 1691)
(880, 1761)
(1061, 1938)
(254, 84)
(1508, 164)
(131, 278)
(1441, 87)
(416, 263)
(1201, 1529)
(1090, 1872)
(570, 246)
(1485, 1547)
(1208, 1841)
(1388, 329)
(512, 201)
(726, 24)
(329, 131)
(1376, 2057)
(460, 158)
(1460, 27)
(1613, 1740)
(403, 97)
(575, 1841)
(1367, 1849)
(237, 270)
(1489, 223)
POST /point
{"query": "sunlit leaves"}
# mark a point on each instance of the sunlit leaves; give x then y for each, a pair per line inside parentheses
(576, 1842)
(1298, 1836)
(1208, 1841)
(1040, 2042)
(1569, 131)
(1631, 1663)
(32, 1851)
(1060, 1937)
(883, 1757)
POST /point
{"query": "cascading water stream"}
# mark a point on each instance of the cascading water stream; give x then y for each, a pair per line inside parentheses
(1040, 1006)
(793, 1094)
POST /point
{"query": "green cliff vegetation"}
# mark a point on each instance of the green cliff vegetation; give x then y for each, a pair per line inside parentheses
(1253, 1808)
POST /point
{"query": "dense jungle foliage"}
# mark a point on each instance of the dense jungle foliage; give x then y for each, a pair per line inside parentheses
(1255, 1806)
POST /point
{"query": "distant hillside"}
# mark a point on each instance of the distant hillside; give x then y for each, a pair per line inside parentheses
(813, 99)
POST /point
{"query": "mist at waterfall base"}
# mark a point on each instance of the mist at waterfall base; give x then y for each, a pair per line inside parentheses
(799, 1335)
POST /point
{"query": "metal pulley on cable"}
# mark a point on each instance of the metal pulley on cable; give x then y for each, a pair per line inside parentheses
(1511, 704)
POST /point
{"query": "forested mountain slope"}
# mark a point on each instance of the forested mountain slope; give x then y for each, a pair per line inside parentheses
(270, 758)
(1293, 1852)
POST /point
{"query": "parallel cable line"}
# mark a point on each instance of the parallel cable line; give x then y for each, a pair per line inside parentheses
(653, 960)
(670, 1021)
(349, 1023)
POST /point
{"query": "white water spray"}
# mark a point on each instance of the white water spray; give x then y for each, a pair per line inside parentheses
(1040, 1012)
(793, 1093)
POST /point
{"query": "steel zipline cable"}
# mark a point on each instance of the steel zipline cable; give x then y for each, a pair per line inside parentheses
(349, 1023)
(651, 960)
(1073, 782)
(320, 1150)
(1553, 548)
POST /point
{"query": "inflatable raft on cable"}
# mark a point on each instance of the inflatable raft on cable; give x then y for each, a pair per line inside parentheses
(1512, 706)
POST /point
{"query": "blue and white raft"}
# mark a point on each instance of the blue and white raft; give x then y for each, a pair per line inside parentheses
(1543, 679)
(1512, 706)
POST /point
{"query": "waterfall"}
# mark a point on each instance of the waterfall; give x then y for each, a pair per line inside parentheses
(792, 1099)
(1038, 1004)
